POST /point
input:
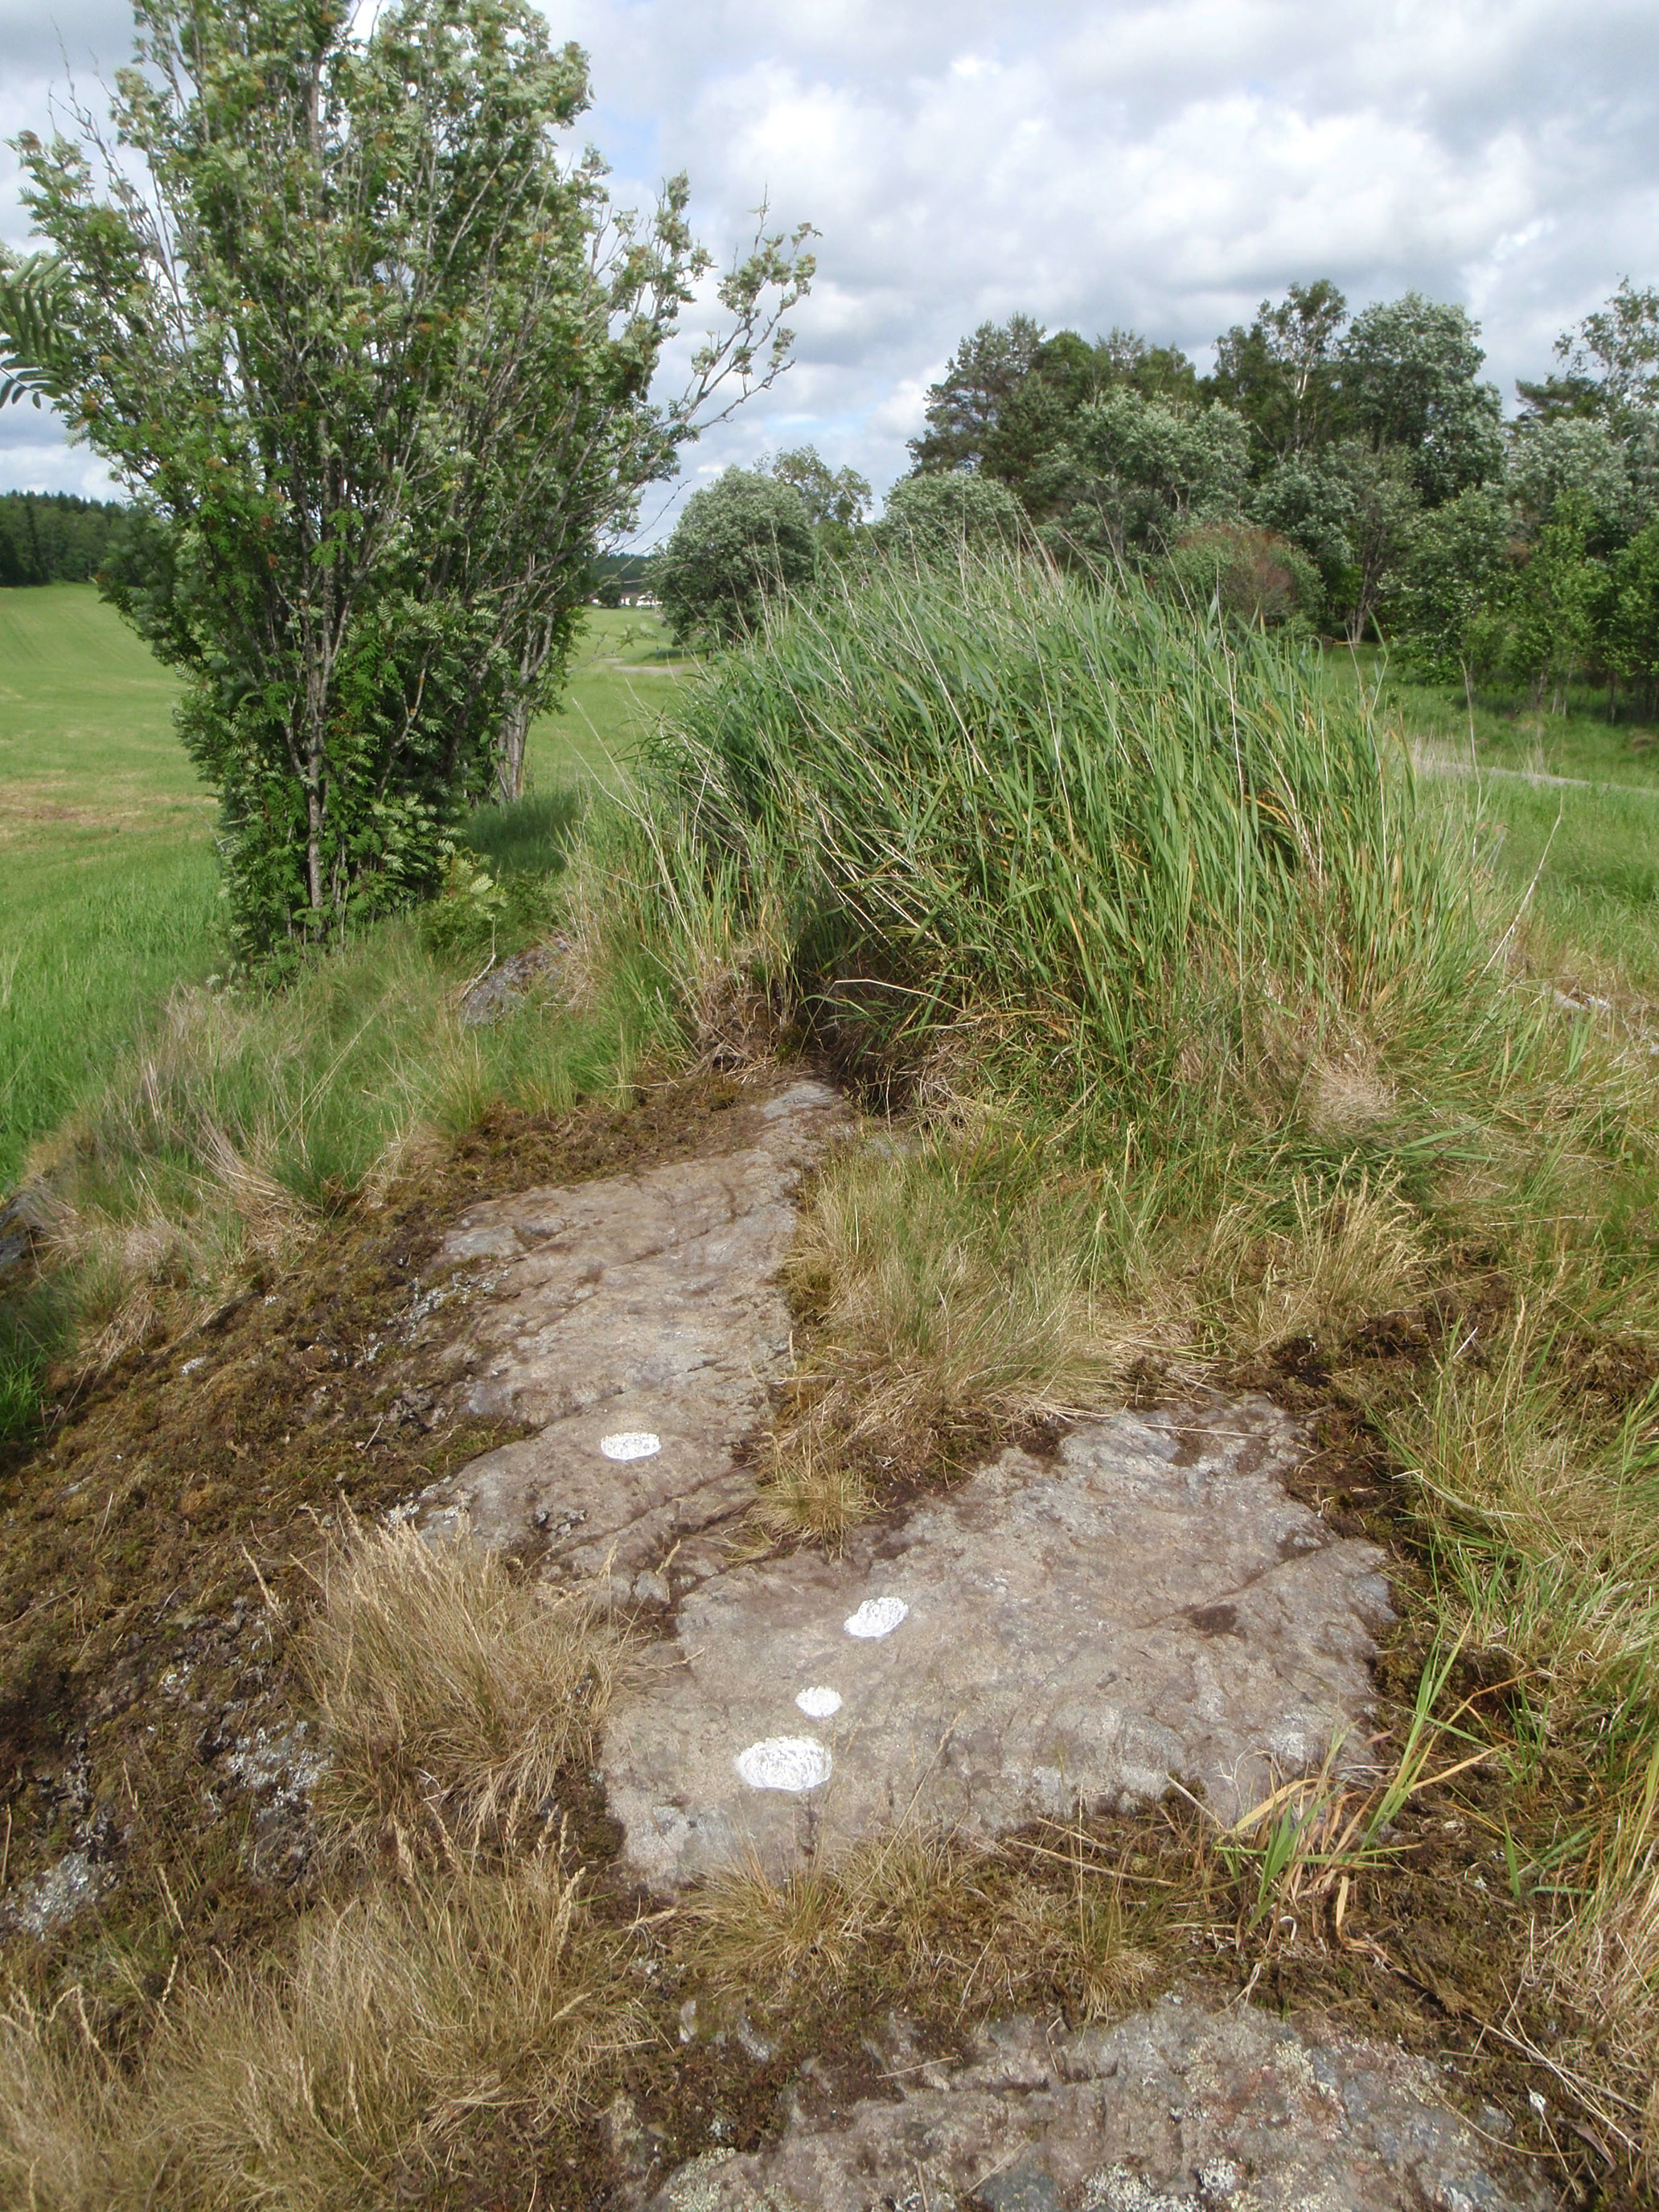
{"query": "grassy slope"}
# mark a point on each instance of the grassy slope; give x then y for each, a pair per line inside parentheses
(108, 894)
(1575, 801)
(187, 1147)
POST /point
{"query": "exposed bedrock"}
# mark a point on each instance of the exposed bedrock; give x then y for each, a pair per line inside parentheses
(1179, 2109)
(1149, 1604)
(642, 1312)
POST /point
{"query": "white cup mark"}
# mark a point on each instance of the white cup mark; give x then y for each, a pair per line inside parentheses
(631, 1444)
(784, 1762)
(877, 1616)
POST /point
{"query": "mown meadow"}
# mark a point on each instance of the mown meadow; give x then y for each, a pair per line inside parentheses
(1248, 1020)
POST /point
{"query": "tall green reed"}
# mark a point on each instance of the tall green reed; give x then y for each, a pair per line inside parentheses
(997, 794)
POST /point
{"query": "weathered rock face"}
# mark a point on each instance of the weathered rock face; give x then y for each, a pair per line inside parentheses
(1180, 2109)
(1150, 1604)
(638, 1321)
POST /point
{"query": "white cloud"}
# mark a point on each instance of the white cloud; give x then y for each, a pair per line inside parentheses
(1096, 161)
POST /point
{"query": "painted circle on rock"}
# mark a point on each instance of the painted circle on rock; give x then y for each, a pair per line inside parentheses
(631, 1444)
(877, 1616)
(784, 1762)
(817, 1705)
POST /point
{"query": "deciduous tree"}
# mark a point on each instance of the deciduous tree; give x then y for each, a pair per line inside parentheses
(740, 540)
(375, 356)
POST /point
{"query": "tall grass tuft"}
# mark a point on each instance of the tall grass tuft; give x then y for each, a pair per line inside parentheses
(994, 807)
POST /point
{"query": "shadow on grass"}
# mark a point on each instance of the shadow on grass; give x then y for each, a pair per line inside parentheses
(532, 836)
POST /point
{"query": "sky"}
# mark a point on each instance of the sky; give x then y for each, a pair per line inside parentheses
(1165, 167)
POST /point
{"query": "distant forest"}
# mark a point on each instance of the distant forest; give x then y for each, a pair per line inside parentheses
(52, 536)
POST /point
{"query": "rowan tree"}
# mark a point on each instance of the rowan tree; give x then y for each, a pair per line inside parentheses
(374, 357)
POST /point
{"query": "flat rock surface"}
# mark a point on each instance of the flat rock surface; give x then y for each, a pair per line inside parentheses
(1179, 2109)
(642, 1306)
(1151, 1603)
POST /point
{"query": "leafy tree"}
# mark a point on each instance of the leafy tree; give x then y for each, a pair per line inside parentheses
(1553, 608)
(1631, 631)
(1409, 382)
(1381, 505)
(744, 539)
(1281, 373)
(1616, 351)
(1456, 578)
(1135, 473)
(965, 406)
(836, 499)
(1570, 455)
(375, 357)
(1011, 396)
(932, 518)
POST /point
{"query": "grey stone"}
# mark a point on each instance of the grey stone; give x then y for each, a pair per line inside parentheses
(1150, 1604)
(645, 1303)
(1021, 2188)
(1181, 2108)
(507, 984)
(49, 1899)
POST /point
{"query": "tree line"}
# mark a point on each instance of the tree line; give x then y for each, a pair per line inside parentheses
(53, 537)
(1353, 473)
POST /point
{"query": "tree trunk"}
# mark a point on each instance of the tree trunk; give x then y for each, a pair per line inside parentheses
(509, 756)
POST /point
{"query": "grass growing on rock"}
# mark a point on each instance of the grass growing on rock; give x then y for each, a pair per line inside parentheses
(1221, 1056)
(1211, 1054)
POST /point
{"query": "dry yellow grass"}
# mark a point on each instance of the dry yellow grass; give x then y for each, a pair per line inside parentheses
(334, 2082)
(911, 1915)
(946, 1306)
(453, 1690)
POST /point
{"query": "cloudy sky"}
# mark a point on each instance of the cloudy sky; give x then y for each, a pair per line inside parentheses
(1164, 165)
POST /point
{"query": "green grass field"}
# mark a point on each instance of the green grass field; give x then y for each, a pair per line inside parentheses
(107, 888)
(1570, 809)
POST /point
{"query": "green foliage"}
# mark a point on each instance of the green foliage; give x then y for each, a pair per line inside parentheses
(1135, 473)
(33, 288)
(932, 517)
(53, 537)
(376, 357)
(986, 802)
(965, 408)
(837, 500)
(1254, 576)
(1553, 604)
(1457, 576)
(1631, 634)
(1408, 378)
(742, 540)
(1281, 373)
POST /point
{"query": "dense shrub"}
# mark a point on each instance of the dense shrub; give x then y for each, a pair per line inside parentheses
(930, 518)
(744, 539)
(1253, 576)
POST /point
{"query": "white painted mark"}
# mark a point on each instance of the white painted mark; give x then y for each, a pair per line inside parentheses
(877, 1616)
(818, 1704)
(631, 1444)
(784, 1762)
